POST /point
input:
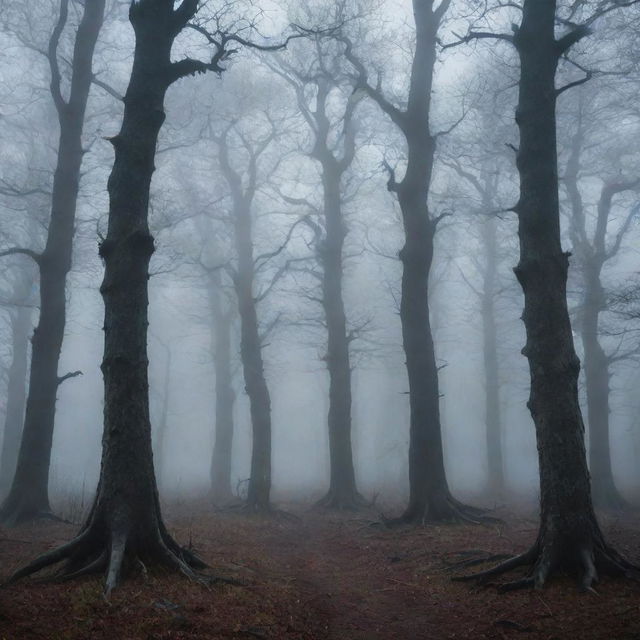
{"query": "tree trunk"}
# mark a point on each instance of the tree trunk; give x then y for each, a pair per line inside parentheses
(16, 394)
(252, 365)
(29, 494)
(163, 422)
(225, 398)
(343, 493)
(493, 424)
(591, 257)
(429, 495)
(569, 535)
(125, 525)
(597, 376)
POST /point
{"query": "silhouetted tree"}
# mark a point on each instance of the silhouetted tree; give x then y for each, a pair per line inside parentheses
(29, 494)
(592, 254)
(323, 76)
(430, 498)
(20, 321)
(569, 534)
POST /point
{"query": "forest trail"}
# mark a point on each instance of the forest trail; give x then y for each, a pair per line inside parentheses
(325, 576)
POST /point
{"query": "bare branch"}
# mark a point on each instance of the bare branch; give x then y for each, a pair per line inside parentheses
(66, 376)
(36, 257)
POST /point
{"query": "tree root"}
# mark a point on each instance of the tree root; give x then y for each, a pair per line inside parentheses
(443, 510)
(93, 552)
(587, 558)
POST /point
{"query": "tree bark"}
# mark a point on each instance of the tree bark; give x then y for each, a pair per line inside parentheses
(29, 495)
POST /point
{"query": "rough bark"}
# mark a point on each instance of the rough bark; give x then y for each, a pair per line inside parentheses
(569, 535)
(21, 324)
(29, 496)
(225, 397)
(125, 526)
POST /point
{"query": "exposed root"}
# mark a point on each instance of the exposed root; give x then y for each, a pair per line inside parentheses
(442, 510)
(472, 562)
(503, 567)
(588, 559)
(93, 552)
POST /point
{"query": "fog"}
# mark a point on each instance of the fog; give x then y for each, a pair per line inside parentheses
(191, 213)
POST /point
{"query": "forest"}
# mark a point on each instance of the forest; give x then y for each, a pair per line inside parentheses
(319, 319)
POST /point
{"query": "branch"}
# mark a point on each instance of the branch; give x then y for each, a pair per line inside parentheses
(567, 41)
(52, 56)
(576, 83)
(36, 257)
(375, 93)
(263, 258)
(107, 87)
(477, 35)
(66, 376)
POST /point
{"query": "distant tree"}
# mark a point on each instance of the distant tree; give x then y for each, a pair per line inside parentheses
(320, 85)
(29, 494)
(243, 185)
(430, 498)
(19, 305)
(592, 251)
(569, 534)
(223, 315)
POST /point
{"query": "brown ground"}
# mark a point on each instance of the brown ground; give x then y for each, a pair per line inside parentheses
(324, 576)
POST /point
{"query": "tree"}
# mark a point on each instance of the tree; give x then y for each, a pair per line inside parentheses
(242, 196)
(323, 77)
(28, 497)
(569, 534)
(223, 315)
(20, 321)
(125, 523)
(430, 498)
(592, 254)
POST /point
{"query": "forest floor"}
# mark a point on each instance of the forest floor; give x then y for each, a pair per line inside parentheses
(320, 575)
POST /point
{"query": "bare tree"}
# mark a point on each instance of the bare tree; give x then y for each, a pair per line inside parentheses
(318, 83)
(29, 495)
(125, 523)
(569, 534)
(430, 498)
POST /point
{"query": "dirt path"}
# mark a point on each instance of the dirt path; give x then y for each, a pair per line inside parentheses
(325, 577)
